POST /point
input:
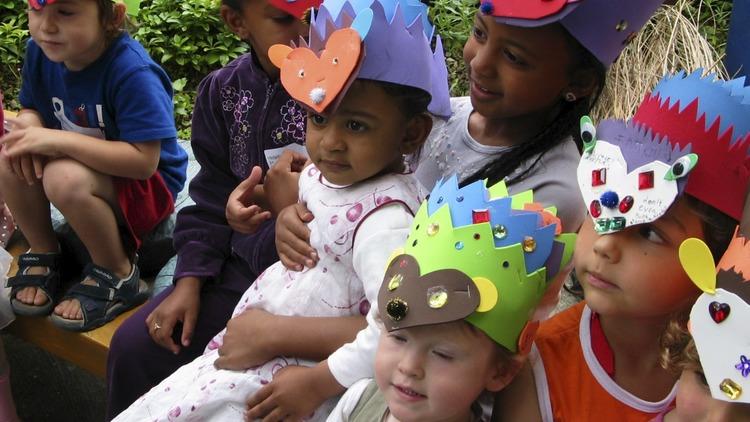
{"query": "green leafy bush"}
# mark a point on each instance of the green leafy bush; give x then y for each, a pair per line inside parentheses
(713, 18)
(13, 35)
(189, 40)
(453, 20)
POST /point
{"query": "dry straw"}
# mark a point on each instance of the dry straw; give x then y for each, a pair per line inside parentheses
(669, 42)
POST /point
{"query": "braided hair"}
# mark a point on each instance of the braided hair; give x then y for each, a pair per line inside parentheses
(557, 132)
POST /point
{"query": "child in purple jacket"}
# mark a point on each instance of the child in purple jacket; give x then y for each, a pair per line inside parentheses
(242, 118)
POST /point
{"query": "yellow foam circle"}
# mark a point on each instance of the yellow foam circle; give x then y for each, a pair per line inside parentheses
(277, 53)
(487, 294)
(698, 263)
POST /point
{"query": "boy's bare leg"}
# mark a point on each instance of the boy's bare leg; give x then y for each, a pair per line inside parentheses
(31, 211)
(87, 199)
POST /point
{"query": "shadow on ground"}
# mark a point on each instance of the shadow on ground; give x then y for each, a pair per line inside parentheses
(48, 389)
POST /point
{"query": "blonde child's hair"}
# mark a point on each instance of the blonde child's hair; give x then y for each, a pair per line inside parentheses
(678, 349)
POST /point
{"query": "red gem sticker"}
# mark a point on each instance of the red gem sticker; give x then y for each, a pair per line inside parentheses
(598, 177)
(595, 208)
(646, 180)
(719, 311)
(480, 216)
(626, 204)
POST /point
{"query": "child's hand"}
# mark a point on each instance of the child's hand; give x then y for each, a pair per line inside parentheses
(242, 214)
(27, 139)
(292, 395)
(29, 168)
(181, 305)
(293, 238)
(248, 341)
(282, 180)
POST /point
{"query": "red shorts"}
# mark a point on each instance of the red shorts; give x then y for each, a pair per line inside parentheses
(144, 204)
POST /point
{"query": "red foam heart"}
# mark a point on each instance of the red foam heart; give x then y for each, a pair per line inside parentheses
(527, 9)
(296, 8)
(318, 81)
(719, 311)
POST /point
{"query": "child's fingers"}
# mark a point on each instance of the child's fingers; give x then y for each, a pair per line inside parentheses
(259, 218)
(27, 169)
(17, 123)
(188, 326)
(15, 163)
(247, 186)
(38, 162)
(161, 332)
(291, 161)
(249, 220)
(276, 415)
(257, 404)
(303, 213)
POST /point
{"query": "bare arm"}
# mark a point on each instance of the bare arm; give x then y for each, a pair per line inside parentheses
(116, 158)
(313, 338)
(255, 336)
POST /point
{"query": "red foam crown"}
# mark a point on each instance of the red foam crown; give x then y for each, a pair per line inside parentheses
(722, 174)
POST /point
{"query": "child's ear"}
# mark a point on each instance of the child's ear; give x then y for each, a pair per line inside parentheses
(417, 130)
(118, 16)
(503, 372)
(583, 83)
(234, 21)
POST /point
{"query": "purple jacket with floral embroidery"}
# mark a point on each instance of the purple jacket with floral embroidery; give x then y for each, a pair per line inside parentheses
(239, 113)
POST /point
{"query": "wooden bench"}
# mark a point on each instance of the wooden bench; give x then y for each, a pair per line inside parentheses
(86, 350)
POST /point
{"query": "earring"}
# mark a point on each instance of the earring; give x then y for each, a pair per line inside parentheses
(570, 97)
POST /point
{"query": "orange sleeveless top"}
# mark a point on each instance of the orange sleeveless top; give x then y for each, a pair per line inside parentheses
(571, 383)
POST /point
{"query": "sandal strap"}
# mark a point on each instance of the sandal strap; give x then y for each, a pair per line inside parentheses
(49, 260)
(101, 275)
(47, 282)
(94, 292)
(27, 280)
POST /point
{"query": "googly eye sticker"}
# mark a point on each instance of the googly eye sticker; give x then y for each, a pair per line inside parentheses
(682, 167)
(588, 133)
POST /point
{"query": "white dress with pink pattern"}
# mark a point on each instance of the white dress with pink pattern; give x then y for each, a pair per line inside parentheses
(354, 231)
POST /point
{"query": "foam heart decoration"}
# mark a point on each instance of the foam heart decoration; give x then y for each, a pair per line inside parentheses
(318, 81)
(526, 9)
(719, 311)
(698, 263)
(603, 176)
(278, 53)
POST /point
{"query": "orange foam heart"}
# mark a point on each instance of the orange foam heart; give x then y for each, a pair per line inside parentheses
(317, 81)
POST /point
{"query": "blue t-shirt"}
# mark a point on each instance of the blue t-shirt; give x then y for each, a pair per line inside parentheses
(123, 95)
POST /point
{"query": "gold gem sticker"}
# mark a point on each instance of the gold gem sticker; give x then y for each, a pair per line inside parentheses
(437, 297)
(529, 244)
(395, 282)
(731, 389)
(433, 229)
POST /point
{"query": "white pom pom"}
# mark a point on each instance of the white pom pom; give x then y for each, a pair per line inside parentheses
(317, 95)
